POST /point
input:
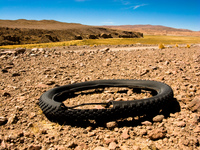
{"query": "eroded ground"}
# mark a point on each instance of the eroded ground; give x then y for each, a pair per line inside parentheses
(27, 74)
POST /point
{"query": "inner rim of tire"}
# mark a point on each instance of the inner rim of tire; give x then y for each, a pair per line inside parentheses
(101, 98)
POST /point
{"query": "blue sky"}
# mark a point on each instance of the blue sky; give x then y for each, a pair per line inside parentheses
(173, 13)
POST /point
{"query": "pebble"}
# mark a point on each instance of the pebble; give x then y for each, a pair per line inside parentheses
(125, 134)
(3, 120)
(158, 118)
(34, 49)
(111, 125)
(156, 134)
(35, 147)
(50, 82)
(13, 119)
(146, 123)
(194, 105)
(19, 51)
(101, 148)
(143, 132)
(112, 146)
(180, 124)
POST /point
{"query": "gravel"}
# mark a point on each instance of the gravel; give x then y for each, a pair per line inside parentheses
(24, 78)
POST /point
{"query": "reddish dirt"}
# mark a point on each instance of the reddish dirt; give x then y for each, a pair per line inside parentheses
(26, 74)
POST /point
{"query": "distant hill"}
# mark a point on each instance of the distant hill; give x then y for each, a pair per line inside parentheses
(31, 31)
(155, 30)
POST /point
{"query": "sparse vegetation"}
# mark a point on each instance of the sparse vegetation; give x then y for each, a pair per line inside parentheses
(148, 39)
(161, 46)
(188, 45)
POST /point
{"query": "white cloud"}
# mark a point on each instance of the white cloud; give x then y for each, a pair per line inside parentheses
(137, 6)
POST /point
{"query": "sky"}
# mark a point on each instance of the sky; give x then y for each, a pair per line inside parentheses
(183, 14)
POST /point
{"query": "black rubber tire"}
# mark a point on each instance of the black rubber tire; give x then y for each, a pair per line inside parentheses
(51, 101)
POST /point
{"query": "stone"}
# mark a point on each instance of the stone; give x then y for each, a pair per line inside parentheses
(50, 83)
(143, 132)
(158, 118)
(19, 51)
(180, 124)
(147, 123)
(101, 148)
(13, 119)
(112, 146)
(156, 134)
(194, 105)
(34, 49)
(81, 146)
(105, 49)
(145, 71)
(35, 147)
(111, 125)
(125, 134)
(3, 120)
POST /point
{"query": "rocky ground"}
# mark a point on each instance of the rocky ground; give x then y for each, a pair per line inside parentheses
(26, 74)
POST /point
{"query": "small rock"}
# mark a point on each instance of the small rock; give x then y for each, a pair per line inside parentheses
(194, 105)
(34, 49)
(100, 148)
(33, 55)
(112, 146)
(35, 147)
(41, 49)
(147, 123)
(19, 51)
(145, 71)
(158, 118)
(42, 85)
(125, 134)
(111, 125)
(90, 134)
(50, 82)
(3, 120)
(105, 49)
(82, 146)
(109, 140)
(13, 119)
(143, 132)
(156, 134)
(180, 124)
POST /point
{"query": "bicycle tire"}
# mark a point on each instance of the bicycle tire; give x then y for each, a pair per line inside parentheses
(51, 101)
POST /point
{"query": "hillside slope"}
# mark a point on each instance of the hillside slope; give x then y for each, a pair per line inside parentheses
(156, 30)
(44, 31)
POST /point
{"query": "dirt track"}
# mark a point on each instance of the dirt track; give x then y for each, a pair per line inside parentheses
(26, 74)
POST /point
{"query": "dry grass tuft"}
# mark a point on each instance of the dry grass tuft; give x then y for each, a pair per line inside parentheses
(161, 46)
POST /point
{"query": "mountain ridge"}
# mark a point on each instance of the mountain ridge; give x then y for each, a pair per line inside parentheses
(155, 29)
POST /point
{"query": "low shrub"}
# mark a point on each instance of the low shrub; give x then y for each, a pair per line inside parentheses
(188, 45)
(161, 46)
